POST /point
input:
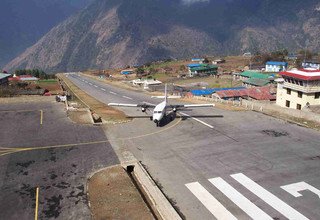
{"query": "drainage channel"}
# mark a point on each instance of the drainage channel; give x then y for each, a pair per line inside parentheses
(130, 171)
(154, 211)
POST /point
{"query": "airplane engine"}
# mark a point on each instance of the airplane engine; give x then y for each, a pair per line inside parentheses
(143, 109)
(174, 110)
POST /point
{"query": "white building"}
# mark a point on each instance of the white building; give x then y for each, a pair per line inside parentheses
(311, 64)
(275, 66)
(299, 88)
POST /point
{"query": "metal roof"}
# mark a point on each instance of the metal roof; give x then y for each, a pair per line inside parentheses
(260, 93)
(277, 63)
(191, 65)
(257, 81)
(200, 92)
(258, 75)
(204, 67)
(4, 75)
(304, 74)
(126, 72)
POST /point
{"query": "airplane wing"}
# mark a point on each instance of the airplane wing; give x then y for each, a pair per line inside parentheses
(179, 107)
(142, 105)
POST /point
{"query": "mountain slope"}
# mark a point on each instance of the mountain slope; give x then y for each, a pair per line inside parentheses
(116, 33)
(22, 22)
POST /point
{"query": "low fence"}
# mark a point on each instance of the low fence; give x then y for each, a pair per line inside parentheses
(265, 107)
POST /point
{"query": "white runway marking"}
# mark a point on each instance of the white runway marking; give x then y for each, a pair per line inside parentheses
(86, 81)
(90, 84)
(113, 93)
(269, 198)
(211, 203)
(96, 86)
(198, 120)
(242, 202)
(103, 89)
(295, 188)
(126, 97)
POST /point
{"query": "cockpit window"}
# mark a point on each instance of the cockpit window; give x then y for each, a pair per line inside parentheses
(157, 112)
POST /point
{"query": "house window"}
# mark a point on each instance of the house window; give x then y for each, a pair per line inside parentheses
(317, 95)
(287, 103)
(289, 91)
(299, 94)
(298, 106)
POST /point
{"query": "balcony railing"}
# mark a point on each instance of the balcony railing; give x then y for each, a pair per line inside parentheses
(305, 89)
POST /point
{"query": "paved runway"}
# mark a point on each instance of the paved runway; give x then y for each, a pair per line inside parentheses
(41, 147)
(246, 166)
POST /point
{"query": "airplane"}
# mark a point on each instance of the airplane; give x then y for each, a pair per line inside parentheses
(160, 110)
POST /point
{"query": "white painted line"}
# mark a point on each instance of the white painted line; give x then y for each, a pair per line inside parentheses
(113, 93)
(86, 81)
(198, 120)
(90, 84)
(295, 188)
(211, 203)
(269, 198)
(103, 89)
(96, 86)
(242, 202)
(126, 97)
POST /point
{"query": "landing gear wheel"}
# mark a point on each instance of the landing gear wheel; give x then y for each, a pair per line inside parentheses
(158, 124)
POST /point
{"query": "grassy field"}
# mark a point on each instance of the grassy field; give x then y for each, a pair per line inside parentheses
(221, 82)
(51, 84)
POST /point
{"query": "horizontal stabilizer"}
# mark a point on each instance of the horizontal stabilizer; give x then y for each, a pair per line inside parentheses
(198, 105)
(124, 105)
(142, 105)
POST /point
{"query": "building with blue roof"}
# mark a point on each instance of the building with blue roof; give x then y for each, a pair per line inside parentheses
(206, 92)
(311, 64)
(192, 65)
(127, 72)
(276, 66)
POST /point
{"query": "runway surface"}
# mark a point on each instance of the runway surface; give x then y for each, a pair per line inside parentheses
(244, 165)
(41, 148)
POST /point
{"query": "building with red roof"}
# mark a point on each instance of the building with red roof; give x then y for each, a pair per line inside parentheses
(23, 78)
(299, 88)
(258, 93)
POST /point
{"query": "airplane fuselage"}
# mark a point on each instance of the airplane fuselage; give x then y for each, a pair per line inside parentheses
(159, 112)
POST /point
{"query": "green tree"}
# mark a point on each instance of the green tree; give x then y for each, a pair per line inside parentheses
(140, 72)
(305, 54)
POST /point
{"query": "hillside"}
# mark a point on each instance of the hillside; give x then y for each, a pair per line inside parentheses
(23, 23)
(117, 33)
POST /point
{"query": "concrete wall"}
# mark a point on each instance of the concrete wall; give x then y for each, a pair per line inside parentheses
(266, 106)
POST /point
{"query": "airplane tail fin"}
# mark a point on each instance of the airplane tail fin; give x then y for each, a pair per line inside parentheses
(165, 92)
